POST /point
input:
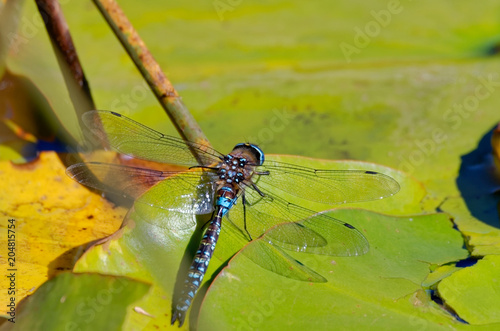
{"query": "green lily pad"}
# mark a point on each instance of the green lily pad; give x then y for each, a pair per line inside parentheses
(473, 292)
(482, 239)
(146, 250)
(439, 273)
(71, 301)
(380, 289)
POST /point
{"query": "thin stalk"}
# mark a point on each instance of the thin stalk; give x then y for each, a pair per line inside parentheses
(163, 89)
(69, 63)
(63, 45)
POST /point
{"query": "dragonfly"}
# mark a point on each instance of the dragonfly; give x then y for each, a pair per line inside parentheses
(238, 187)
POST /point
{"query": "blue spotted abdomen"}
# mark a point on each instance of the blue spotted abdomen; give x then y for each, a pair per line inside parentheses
(225, 200)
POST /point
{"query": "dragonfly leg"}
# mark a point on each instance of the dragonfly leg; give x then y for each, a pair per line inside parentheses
(211, 218)
(203, 167)
(244, 202)
(257, 189)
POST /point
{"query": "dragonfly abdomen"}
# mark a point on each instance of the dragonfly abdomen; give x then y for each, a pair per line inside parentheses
(198, 268)
(226, 198)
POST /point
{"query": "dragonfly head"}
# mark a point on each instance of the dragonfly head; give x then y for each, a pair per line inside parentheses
(252, 152)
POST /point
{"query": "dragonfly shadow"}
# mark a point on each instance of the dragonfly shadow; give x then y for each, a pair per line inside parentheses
(479, 183)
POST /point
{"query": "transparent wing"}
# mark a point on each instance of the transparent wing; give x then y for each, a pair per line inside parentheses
(295, 228)
(134, 139)
(266, 255)
(326, 186)
(190, 192)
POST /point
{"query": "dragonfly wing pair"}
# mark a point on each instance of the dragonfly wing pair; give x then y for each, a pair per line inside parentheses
(295, 228)
(189, 192)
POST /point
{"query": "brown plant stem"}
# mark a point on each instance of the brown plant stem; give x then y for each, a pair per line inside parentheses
(163, 89)
(74, 77)
(57, 28)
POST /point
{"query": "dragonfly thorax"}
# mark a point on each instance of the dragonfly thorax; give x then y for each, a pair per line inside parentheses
(238, 166)
(234, 169)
